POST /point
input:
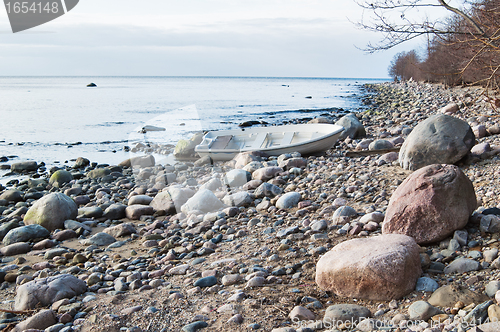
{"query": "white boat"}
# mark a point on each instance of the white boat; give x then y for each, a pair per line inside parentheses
(275, 140)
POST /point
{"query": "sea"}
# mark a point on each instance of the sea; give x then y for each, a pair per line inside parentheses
(58, 119)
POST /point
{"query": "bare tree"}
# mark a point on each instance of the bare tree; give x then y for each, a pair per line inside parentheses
(398, 21)
(463, 45)
(405, 66)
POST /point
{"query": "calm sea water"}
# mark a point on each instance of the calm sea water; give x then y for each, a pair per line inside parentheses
(43, 117)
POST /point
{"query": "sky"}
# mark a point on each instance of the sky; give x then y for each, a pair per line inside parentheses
(266, 38)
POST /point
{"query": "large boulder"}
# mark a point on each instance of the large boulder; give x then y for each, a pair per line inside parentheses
(352, 127)
(171, 199)
(440, 139)
(51, 211)
(379, 268)
(431, 204)
(204, 201)
(46, 291)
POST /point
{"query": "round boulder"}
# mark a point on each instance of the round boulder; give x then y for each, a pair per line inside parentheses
(46, 291)
(379, 268)
(204, 200)
(352, 127)
(440, 139)
(171, 199)
(51, 211)
(266, 173)
(431, 204)
(59, 178)
(12, 195)
(25, 233)
(288, 200)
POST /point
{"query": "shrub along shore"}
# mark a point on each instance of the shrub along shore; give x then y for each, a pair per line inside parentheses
(397, 224)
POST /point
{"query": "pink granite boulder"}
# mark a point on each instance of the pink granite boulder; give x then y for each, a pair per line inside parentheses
(379, 268)
(266, 173)
(431, 204)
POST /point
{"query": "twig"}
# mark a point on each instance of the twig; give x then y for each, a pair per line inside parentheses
(18, 312)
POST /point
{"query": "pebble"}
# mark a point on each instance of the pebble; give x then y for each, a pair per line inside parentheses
(195, 326)
(206, 282)
(301, 313)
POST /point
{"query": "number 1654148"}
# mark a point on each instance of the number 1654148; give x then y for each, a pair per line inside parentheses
(32, 8)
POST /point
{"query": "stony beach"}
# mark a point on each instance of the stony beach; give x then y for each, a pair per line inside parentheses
(381, 232)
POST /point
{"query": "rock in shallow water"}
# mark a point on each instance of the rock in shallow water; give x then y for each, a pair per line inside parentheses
(24, 166)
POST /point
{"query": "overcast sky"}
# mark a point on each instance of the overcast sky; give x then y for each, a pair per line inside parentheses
(307, 38)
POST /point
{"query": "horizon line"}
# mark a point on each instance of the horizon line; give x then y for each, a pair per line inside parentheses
(206, 76)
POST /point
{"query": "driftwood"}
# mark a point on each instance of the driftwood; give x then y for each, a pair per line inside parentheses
(17, 312)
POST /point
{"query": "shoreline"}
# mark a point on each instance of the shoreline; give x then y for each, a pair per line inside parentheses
(257, 260)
